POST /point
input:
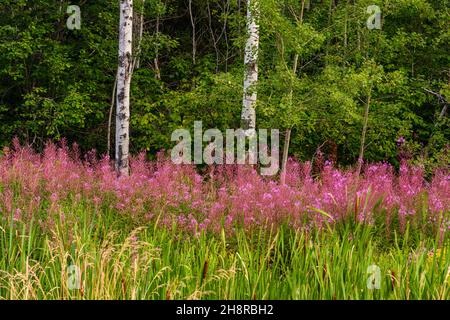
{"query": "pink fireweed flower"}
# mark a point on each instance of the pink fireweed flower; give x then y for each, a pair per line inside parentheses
(267, 196)
(17, 214)
(226, 194)
(54, 197)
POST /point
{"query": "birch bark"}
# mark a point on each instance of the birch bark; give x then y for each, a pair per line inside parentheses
(123, 87)
(248, 116)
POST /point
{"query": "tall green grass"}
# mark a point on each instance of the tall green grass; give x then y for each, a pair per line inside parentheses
(120, 259)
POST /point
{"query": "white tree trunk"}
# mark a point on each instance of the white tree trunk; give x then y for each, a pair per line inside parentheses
(248, 116)
(363, 134)
(287, 136)
(123, 87)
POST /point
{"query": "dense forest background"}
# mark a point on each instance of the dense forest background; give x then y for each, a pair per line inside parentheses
(58, 83)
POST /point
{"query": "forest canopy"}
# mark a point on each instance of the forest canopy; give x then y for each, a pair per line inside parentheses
(58, 83)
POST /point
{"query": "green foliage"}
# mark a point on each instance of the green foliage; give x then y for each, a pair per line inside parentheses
(56, 82)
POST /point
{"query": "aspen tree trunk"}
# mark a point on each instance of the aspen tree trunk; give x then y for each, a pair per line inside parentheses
(194, 41)
(363, 135)
(287, 135)
(123, 87)
(156, 60)
(137, 58)
(248, 116)
(135, 65)
(346, 25)
(111, 108)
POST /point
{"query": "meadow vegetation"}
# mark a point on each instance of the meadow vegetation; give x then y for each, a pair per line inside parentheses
(172, 232)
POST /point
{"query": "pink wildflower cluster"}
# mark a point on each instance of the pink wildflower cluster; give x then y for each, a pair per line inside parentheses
(224, 196)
